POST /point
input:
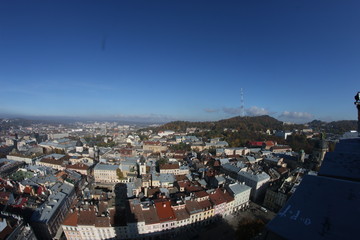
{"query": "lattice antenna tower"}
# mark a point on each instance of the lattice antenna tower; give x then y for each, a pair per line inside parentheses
(242, 108)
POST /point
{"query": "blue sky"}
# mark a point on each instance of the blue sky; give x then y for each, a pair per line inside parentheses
(187, 60)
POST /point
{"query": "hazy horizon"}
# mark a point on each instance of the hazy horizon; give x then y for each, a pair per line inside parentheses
(129, 119)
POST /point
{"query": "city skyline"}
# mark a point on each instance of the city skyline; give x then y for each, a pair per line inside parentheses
(295, 61)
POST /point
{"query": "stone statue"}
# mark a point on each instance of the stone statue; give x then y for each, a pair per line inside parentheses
(357, 103)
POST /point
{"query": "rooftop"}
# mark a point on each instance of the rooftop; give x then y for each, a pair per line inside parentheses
(193, 207)
(87, 217)
(238, 188)
(169, 166)
(71, 219)
(181, 214)
(344, 162)
(106, 167)
(311, 214)
(150, 215)
(165, 211)
(324, 206)
(255, 177)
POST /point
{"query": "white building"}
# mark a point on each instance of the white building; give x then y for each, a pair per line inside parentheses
(241, 194)
(106, 173)
(257, 181)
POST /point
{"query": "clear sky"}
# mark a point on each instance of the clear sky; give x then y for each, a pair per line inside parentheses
(296, 60)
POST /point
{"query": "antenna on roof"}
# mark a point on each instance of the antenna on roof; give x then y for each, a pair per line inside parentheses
(242, 110)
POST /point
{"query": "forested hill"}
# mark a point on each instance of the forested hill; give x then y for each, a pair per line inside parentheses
(258, 123)
(336, 127)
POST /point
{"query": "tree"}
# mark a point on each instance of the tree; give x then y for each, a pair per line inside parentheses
(248, 228)
(180, 146)
(119, 174)
(160, 162)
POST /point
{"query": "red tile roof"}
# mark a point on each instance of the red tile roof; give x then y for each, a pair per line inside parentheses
(201, 194)
(181, 177)
(256, 144)
(192, 188)
(217, 197)
(78, 166)
(102, 222)
(181, 214)
(150, 215)
(270, 143)
(205, 204)
(28, 190)
(165, 211)
(193, 207)
(152, 143)
(71, 219)
(87, 217)
(228, 197)
(169, 166)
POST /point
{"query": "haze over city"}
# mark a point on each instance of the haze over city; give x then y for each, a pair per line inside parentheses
(179, 60)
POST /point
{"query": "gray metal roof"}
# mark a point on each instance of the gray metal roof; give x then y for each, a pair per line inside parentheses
(238, 188)
(163, 177)
(65, 187)
(54, 155)
(255, 177)
(344, 162)
(46, 211)
(321, 208)
(224, 160)
(106, 167)
(220, 179)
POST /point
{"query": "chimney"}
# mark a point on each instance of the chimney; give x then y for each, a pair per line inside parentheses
(357, 103)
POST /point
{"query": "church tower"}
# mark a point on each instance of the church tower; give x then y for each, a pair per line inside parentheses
(142, 166)
(79, 146)
(320, 150)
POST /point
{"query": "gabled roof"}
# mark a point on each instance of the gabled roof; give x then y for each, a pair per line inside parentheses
(205, 204)
(165, 211)
(228, 197)
(169, 166)
(181, 177)
(216, 197)
(150, 215)
(201, 194)
(192, 207)
(181, 214)
(78, 166)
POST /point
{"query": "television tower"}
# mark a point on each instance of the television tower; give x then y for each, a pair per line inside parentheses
(242, 109)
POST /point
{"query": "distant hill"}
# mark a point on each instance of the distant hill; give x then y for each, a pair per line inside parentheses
(257, 123)
(335, 127)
